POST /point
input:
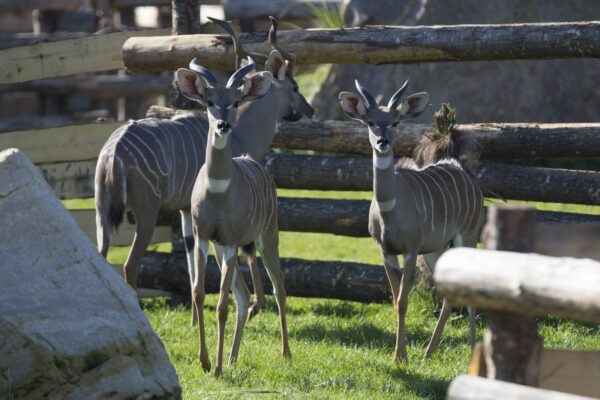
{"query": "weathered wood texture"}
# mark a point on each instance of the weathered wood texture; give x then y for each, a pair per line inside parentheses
(508, 181)
(69, 143)
(466, 387)
(376, 45)
(67, 57)
(14, 39)
(491, 141)
(522, 283)
(19, 5)
(100, 87)
(28, 122)
(123, 237)
(262, 8)
(512, 346)
(303, 278)
(568, 240)
(570, 371)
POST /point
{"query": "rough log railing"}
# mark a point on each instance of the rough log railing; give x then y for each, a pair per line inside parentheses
(376, 45)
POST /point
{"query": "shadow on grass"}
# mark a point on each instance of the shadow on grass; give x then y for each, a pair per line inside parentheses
(363, 335)
(423, 387)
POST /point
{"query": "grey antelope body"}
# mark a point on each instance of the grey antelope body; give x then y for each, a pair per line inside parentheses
(151, 165)
(414, 211)
(234, 203)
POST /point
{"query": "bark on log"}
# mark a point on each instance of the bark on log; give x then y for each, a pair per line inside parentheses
(521, 283)
(492, 141)
(280, 8)
(350, 218)
(26, 122)
(467, 387)
(303, 278)
(512, 346)
(508, 181)
(20, 5)
(376, 45)
(100, 87)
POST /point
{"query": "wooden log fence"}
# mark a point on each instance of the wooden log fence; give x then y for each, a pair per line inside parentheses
(508, 181)
(376, 45)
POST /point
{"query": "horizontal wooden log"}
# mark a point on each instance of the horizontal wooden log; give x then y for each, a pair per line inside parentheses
(568, 240)
(303, 278)
(570, 371)
(467, 387)
(14, 39)
(67, 57)
(493, 140)
(28, 122)
(20, 5)
(86, 219)
(68, 143)
(100, 87)
(376, 45)
(508, 181)
(521, 283)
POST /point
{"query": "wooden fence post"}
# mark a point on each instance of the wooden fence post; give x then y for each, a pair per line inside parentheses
(512, 346)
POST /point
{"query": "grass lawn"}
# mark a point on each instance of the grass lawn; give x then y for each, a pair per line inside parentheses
(340, 349)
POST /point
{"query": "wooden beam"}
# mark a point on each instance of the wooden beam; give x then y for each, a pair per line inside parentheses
(70, 180)
(262, 8)
(86, 219)
(508, 181)
(466, 387)
(20, 5)
(303, 278)
(492, 140)
(68, 143)
(522, 283)
(28, 122)
(570, 371)
(376, 45)
(14, 39)
(568, 240)
(101, 87)
(67, 57)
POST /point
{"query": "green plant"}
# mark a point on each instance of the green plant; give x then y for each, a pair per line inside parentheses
(330, 17)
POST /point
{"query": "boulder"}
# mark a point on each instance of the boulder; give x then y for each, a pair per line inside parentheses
(70, 327)
(486, 91)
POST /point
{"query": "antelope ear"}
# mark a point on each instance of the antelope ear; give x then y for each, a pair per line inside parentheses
(353, 105)
(256, 86)
(414, 105)
(191, 85)
(276, 65)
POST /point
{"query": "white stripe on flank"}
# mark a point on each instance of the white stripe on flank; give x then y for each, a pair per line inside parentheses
(382, 162)
(385, 206)
(218, 185)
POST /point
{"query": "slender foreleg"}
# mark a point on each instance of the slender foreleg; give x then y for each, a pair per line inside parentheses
(228, 268)
(188, 241)
(431, 260)
(242, 300)
(269, 251)
(198, 295)
(410, 263)
(392, 270)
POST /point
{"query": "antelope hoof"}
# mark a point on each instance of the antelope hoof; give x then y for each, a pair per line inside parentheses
(399, 358)
(205, 363)
(232, 360)
(218, 372)
(286, 353)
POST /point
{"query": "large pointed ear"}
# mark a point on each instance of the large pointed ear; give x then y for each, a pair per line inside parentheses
(276, 65)
(256, 86)
(414, 105)
(191, 85)
(353, 105)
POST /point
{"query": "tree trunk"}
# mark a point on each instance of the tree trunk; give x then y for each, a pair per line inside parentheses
(303, 278)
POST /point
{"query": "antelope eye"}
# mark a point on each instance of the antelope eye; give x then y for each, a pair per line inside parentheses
(295, 89)
(210, 103)
(236, 104)
(395, 124)
(370, 123)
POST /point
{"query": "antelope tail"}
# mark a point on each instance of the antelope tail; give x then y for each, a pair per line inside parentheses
(110, 198)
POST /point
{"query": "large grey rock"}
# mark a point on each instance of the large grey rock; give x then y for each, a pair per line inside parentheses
(489, 91)
(70, 328)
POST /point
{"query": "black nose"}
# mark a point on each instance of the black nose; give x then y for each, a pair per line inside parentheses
(223, 125)
(381, 142)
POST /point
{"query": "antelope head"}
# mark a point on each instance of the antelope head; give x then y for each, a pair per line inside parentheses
(222, 102)
(378, 118)
(281, 64)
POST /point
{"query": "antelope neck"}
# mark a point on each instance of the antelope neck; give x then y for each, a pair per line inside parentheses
(218, 162)
(384, 181)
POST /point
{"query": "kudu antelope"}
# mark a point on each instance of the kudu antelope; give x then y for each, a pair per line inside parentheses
(234, 203)
(414, 211)
(151, 164)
